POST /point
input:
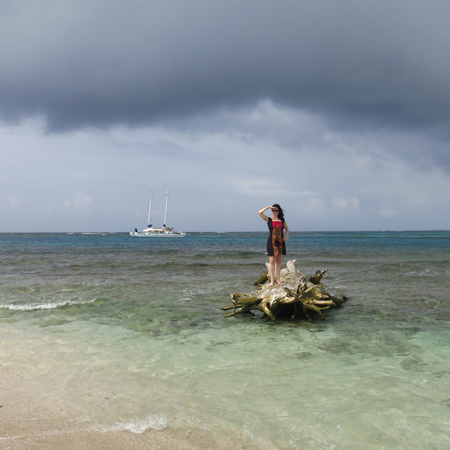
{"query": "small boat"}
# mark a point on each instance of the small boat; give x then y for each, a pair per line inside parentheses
(163, 232)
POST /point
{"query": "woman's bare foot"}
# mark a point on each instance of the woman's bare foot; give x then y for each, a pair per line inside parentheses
(279, 283)
(271, 284)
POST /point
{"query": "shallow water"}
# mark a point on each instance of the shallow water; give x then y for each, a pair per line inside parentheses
(128, 334)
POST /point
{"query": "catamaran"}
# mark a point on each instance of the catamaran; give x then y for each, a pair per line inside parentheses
(164, 231)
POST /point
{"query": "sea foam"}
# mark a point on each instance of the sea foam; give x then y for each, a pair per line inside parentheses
(140, 426)
(37, 306)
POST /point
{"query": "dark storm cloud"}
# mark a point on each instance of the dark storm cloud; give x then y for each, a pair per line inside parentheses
(99, 63)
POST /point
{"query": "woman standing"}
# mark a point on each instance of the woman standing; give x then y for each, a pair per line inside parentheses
(276, 243)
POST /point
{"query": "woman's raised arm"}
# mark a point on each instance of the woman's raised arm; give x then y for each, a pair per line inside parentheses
(262, 215)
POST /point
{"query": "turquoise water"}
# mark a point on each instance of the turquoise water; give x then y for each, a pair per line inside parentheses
(129, 334)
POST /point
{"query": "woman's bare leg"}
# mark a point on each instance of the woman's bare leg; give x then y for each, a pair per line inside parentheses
(271, 269)
(278, 268)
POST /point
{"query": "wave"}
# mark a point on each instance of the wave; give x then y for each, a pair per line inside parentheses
(140, 426)
(37, 306)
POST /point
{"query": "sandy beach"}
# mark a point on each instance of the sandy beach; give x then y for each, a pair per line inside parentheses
(32, 420)
(34, 417)
(41, 412)
(156, 440)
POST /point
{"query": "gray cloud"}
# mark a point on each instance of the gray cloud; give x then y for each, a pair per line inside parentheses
(89, 180)
(99, 63)
(338, 110)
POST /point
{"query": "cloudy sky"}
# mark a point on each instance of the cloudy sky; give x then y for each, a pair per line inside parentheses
(337, 110)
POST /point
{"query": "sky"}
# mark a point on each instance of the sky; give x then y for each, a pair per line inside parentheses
(337, 110)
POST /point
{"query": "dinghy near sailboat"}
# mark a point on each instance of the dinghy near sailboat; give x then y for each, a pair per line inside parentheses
(151, 232)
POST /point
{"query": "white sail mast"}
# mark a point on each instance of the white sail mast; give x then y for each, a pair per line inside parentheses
(165, 212)
(149, 220)
(163, 232)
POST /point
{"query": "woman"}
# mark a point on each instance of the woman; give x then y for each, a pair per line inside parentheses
(276, 242)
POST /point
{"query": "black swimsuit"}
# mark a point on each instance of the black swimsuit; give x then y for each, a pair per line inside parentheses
(275, 243)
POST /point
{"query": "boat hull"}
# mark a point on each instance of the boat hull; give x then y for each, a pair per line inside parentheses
(151, 232)
(157, 235)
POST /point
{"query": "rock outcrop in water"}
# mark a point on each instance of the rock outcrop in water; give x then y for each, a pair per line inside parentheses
(299, 296)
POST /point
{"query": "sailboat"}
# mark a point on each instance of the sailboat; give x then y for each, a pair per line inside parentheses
(163, 232)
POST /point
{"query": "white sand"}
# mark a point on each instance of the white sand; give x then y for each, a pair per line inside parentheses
(32, 420)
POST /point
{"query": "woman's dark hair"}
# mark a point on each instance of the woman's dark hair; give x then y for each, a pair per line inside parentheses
(280, 211)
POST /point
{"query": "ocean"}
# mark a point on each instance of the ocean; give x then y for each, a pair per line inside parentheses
(109, 334)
